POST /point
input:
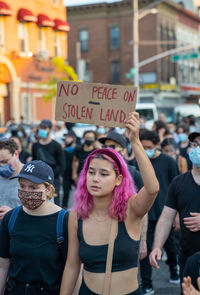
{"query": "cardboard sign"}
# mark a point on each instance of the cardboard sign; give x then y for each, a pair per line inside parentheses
(94, 103)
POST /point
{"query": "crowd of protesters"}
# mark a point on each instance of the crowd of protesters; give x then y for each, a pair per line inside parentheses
(171, 225)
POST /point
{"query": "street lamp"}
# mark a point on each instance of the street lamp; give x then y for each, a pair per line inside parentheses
(136, 17)
(135, 47)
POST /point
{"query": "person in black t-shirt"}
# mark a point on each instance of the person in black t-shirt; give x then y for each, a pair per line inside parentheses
(165, 169)
(51, 152)
(81, 153)
(30, 254)
(183, 197)
(182, 131)
(69, 149)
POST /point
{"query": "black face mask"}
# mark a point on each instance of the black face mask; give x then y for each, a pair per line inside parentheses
(89, 142)
(69, 144)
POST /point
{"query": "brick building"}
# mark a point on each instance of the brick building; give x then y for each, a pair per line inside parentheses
(105, 33)
(31, 33)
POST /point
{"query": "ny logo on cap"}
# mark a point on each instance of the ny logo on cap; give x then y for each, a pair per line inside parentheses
(29, 168)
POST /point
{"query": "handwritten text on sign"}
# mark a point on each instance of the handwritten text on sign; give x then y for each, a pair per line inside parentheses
(91, 103)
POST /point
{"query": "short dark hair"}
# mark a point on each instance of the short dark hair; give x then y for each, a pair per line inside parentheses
(160, 125)
(184, 127)
(169, 141)
(149, 135)
(9, 145)
(90, 131)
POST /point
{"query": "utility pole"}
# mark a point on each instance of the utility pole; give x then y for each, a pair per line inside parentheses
(135, 47)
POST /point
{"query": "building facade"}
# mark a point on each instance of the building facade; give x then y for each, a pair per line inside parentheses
(101, 45)
(31, 33)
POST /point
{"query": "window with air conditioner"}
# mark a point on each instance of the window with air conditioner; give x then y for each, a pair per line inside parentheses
(84, 39)
(2, 34)
(23, 38)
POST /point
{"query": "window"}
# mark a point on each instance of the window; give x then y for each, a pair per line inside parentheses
(114, 37)
(161, 36)
(57, 44)
(115, 72)
(174, 63)
(23, 37)
(2, 35)
(26, 103)
(42, 48)
(84, 38)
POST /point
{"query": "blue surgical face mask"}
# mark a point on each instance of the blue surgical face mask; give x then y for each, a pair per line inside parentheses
(194, 156)
(19, 134)
(70, 149)
(182, 137)
(42, 133)
(102, 130)
(6, 171)
(150, 153)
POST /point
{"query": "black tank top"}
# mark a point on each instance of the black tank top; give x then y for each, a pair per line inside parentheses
(125, 254)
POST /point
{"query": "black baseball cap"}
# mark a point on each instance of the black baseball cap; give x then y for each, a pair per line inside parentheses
(118, 138)
(37, 172)
(193, 135)
(46, 123)
(70, 133)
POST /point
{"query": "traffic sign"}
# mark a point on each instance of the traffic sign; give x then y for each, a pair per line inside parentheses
(178, 57)
(130, 74)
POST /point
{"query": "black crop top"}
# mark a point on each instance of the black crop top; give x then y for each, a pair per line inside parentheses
(125, 254)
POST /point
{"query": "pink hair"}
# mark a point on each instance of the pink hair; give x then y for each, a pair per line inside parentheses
(83, 201)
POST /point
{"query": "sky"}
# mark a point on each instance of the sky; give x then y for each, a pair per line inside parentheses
(79, 2)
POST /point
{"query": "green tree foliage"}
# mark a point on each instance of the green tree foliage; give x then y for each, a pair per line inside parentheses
(68, 75)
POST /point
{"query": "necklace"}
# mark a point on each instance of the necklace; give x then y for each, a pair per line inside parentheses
(100, 220)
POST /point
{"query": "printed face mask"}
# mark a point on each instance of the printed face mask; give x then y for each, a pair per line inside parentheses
(6, 171)
(43, 133)
(30, 200)
(150, 153)
(194, 156)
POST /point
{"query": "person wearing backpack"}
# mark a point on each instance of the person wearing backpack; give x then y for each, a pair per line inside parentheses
(34, 236)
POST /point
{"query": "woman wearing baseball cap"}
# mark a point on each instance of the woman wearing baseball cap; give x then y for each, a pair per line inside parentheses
(33, 244)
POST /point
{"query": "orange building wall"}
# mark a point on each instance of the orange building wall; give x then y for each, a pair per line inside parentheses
(36, 7)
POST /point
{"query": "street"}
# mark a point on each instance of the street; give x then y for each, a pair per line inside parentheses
(161, 281)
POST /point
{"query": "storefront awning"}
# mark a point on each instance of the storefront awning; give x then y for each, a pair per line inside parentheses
(61, 25)
(44, 21)
(25, 15)
(5, 9)
(190, 89)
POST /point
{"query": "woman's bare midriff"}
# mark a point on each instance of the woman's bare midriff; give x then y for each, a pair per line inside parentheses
(122, 282)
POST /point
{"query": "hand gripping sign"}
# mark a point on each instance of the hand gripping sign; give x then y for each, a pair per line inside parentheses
(94, 103)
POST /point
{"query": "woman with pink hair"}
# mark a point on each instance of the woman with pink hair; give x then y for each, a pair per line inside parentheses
(105, 191)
